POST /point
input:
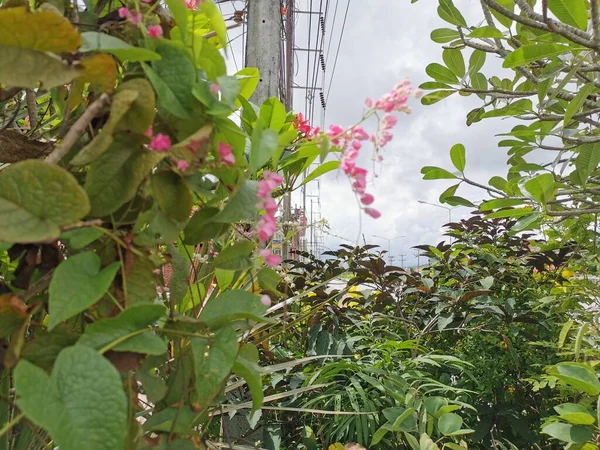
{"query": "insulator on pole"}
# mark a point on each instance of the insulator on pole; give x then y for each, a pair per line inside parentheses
(322, 60)
(322, 22)
(322, 97)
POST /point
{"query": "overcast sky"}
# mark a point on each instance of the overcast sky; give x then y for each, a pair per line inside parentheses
(385, 42)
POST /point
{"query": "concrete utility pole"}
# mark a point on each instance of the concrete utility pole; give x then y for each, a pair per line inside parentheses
(263, 48)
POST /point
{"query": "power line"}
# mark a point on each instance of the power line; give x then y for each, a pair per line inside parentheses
(337, 54)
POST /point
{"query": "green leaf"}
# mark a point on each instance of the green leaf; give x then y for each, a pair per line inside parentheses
(236, 257)
(436, 173)
(246, 366)
(241, 204)
(210, 60)
(36, 199)
(425, 443)
(518, 212)
(435, 97)
(264, 144)
(248, 79)
(575, 434)
(564, 331)
(587, 160)
(515, 108)
(166, 97)
(216, 21)
(378, 436)
(542, 188)
(453, 58)
(45, 347)
(213, 362)
(180, 277)
(272, 114)
(140, 282)
(486, 32)
(571, 12)
(504, 20)
(28, 68)
(499, 203)
(458, 155)
(476, 62)
(448, 12)
(180, 14)
(140, 114)
(67, 402)
(574, 414)
(498, 183)
(200, 228)
(101, 42)
(575, 105)
(449, 423)
(433, 404)
(176, 70)
(172, 195)
(443, 35)
(530, 53)
(115, 176)
(81, 237)
(231, 306)
(430, 85)
(579, 376)
(230, 89)
(579, 339)
(77, 284)
(108, 331)
(441, 73)
(268, 279)
(321, 170)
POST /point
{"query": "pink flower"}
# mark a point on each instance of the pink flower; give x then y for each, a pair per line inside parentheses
(149, 132)
(270, 259)
(389, 121)
(419, 93)
(367, 199)
(195, 144)
(135, 18)
(359, 186)
(155, 31)
(215, 88)
(225, 153)
(269, 182)
(373, 213)
(386, 137)
(274, 178)
(266, 228)
(191, 4)
(124, 13)
(270, 206)
(360, 134)
(265, 299)
(356, 145)
(369, 102)
(302, 125)
(160, 143)
(182, 164)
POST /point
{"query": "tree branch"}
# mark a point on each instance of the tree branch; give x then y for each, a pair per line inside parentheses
(31, 108)
(78, 129)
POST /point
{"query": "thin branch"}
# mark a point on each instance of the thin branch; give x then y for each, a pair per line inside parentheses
(500, 93)
(84, 224)
(573, 212)
(78, 129)
(482, 186)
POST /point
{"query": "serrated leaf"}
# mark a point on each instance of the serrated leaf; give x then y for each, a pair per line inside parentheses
(36, 199)
(77, 284)
(67, 402)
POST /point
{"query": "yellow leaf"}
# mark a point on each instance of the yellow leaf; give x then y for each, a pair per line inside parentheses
(42, 31)
(101, 72)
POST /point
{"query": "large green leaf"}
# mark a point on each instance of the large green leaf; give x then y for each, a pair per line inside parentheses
(441, 73)
(576, 104)
(248, 78)
(443, 35)
(201, 228)
(180, 12)
(111, 331)
(272, 114)
(504, 20)
(587, 160)
(236, 257)
(453, 58)
(213, 362)
(36, 199)
(264, 144)
(140, 282)
(574, 414)
(241, 204)
(575, 434)
(448, 12)
(172, 195)
(115, 176)
(166, 97)
(571, 12)
(81, 404)
(542, 187)
(458, 155)
(77, 284)
(578, 376)
(436, 173)
(246, 366)
(176, 70)
(530, 53)
(140, 114)
(216, 21)
(31, 69)
(449, 423)
(321, 170)
(231, 306)
(102, 42)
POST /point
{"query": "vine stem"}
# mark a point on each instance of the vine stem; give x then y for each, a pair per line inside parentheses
(6, 428)
(77, 129)
(123, 339)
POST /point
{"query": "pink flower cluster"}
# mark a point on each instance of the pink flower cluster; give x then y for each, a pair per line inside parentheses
(155, 31)
(133, 16)
(267, 226)
(227, 157)
(304, 128)
(350, 142)
(159, 142)
(395, 100)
